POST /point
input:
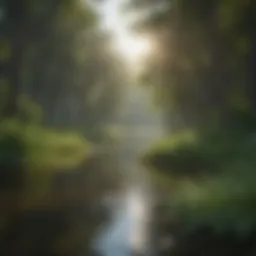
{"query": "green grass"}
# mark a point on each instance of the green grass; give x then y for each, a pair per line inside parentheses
(43, 147)
(215, 178)
(41, 152)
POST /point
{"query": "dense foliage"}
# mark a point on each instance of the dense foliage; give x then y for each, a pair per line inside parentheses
(203, 75)
(59, 87)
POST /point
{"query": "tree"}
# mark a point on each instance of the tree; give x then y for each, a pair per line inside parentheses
(202, 73)
(201, 59)
(61, 82)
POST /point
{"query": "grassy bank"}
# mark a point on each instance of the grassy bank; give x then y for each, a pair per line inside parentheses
(209, 179)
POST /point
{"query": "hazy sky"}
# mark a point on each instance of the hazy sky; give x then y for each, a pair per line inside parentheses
(112, 15)
(131, 46)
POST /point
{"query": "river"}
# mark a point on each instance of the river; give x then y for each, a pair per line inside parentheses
(127, 233)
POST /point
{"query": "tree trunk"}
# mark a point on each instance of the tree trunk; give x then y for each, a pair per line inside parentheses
(16, 18)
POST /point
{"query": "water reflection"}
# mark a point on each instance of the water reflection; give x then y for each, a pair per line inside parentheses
(125, 233)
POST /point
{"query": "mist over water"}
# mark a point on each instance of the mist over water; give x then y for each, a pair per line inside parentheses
(127, 231)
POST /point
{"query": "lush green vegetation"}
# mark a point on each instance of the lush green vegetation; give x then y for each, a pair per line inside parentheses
(54, 106)
(216, 178)
(204, 79)
(60, 91)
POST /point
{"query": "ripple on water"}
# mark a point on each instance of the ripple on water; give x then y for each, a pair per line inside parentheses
(126, 232)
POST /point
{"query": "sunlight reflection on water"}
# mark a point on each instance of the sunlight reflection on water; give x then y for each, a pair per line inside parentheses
(126, 233)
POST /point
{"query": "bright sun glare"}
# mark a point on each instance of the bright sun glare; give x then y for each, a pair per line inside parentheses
(131, 46)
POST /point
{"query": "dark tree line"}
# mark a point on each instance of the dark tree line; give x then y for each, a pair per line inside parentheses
(203, 72)
(60, 86)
